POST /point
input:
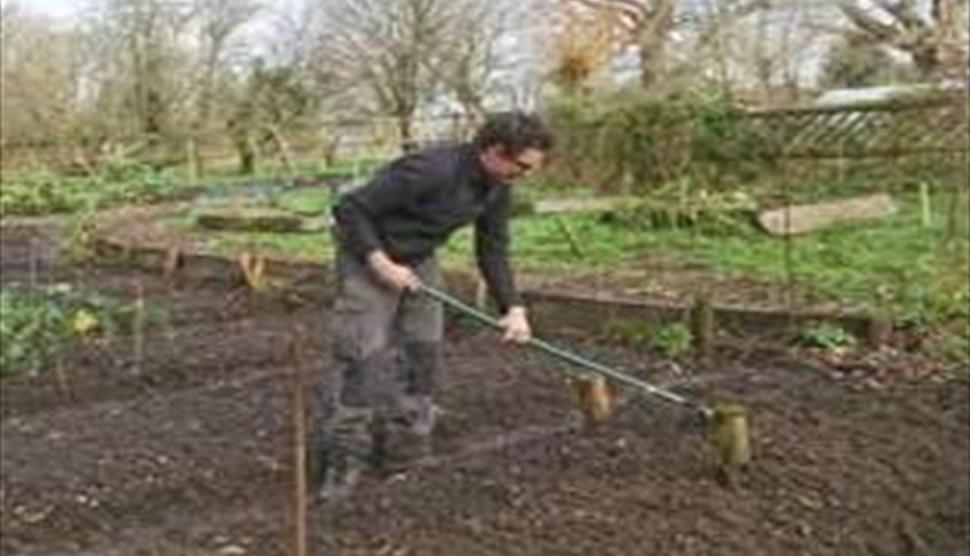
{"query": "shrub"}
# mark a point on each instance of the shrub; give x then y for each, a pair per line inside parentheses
(120, 182)
(634, 143)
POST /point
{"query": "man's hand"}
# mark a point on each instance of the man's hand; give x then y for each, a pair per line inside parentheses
(397, 276)
(516, 326)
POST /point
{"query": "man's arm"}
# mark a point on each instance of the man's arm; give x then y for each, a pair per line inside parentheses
(356, 211)
(491, 250)
(397, 276)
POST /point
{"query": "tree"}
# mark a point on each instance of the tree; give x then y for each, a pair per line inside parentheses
(473, 55)
(856, 65)
(137, 43)
(585, 41)
(646, 25)
(650, 27)
(933, 34)
(275, 101)
(217, 24)
(395, 48)
(763, 50)
(38, 75)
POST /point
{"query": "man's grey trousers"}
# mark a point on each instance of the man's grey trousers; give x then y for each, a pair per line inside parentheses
(386, 355)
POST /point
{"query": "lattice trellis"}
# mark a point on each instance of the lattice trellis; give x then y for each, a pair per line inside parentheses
(872, 130)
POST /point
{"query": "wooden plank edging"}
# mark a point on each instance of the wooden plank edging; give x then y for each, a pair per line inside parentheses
(552, 312)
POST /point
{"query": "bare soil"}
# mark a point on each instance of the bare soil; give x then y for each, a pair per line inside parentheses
(189, 451)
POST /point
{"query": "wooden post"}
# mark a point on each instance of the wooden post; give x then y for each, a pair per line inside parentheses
(594, 398)
(731, 442)
(63, 385)
(926, 211)
(702, 326)
(298, 418)
(880, 328)
(139, 328)
(194, 161)
(33, 265)
(173, 259)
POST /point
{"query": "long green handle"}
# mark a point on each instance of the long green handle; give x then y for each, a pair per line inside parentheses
(550, 349)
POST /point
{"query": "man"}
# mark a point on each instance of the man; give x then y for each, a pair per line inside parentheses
(379, 402)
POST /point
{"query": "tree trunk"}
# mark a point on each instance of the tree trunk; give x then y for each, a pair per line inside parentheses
(653, 43)
(246, 152)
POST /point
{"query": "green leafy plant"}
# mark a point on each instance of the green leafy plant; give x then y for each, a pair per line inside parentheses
(827, 335)
(78, 244)
(954, 347)
(630, 331)
(116, 182)
(673, 339)
(635, 142)
(37, 324)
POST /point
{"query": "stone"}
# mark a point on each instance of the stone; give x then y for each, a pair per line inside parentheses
(803, 219)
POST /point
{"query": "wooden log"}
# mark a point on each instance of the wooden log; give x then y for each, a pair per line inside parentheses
(802, 219)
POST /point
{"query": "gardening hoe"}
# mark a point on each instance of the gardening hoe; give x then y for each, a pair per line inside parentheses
(727, 423)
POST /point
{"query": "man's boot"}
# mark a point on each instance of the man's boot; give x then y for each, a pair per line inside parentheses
(341, 464)
(407, 435)
(422, 424)
(340, 475)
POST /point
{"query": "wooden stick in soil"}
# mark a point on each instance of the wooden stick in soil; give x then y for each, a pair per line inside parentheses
(62, 383)
(595, 398)
(702, 324)
(297, 413)
(33, 264)
(729, 431)
(139, 328)
(926, 209)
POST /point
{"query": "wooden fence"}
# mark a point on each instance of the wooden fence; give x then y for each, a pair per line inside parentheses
(886, 129)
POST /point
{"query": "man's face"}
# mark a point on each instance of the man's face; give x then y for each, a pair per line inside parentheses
(506, 166)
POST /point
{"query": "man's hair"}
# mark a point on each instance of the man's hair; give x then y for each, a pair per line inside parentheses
(515, 130)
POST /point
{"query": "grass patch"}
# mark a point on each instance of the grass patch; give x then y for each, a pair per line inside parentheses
(306, 201)
(897, 264)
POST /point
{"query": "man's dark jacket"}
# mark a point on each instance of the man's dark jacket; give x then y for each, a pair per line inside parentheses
(412, 206)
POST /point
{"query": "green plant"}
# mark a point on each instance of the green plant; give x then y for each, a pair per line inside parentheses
(827, 335)
(673, 339)
(631, 331)
(116, 182)
(78, 245)
(681, 206)
(636, 142)
(37, 324)
(954, 347)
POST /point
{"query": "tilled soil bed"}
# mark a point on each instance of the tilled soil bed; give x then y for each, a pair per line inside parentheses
(188, 451)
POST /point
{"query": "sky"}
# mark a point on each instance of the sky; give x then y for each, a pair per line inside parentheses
(56, 8)
(66, 8)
